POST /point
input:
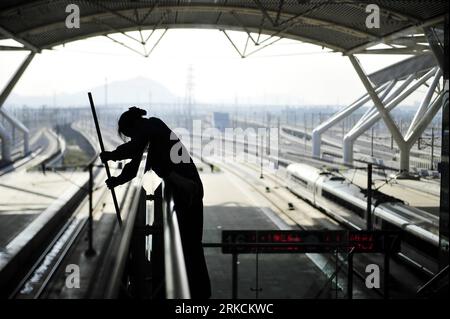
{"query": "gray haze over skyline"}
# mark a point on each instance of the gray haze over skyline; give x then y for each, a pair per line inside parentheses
(287, 73)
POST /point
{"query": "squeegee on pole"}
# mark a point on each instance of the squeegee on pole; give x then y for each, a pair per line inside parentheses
(102, 148)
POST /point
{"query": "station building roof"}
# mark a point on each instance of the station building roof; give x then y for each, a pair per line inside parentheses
(339, 25)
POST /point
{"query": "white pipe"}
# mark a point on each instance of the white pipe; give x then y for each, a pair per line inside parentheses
(425, 102)
(383, 98)
(19, 125)
(418, 130)
(376, 100)
(391, 105)
(394, 94)
(425, 120)
(319, 130)
(395, 100)
(6, 144)
(348, 150)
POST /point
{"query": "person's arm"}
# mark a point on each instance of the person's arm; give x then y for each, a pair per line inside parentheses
(125, 151)
(129, 172)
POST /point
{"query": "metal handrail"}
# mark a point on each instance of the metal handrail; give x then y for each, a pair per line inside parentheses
(175, 274)
(176, 280)
(126, 232)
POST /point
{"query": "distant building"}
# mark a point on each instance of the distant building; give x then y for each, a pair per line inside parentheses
(221, 120)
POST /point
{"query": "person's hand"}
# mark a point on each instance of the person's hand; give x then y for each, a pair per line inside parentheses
(105, 156)
(112, 182)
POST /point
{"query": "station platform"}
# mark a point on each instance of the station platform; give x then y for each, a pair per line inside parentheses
(244, 208)
(27, 194)
(229, 204)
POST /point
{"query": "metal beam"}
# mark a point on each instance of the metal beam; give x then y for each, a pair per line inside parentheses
(156, 44)
(425, 103)
(386, 39)
(26, 5)
(373, 112)
(396, 98)
(376, 100)
(288, 18)
(239, 21)
(6, 144)
(401, 70)
(124, 45)
(117, 13)
(7, 90)
(233, 44)
(436, 46)
(340, 115)
(12, 48)
(203, 26)
(149, 12)
(19, 39)
(21, 127)
(425, 120)
(388, 12)
(117, 31)
(372, 109)
(402, 51)
(409, 40)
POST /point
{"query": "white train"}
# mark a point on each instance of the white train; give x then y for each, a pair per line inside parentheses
(347, 203)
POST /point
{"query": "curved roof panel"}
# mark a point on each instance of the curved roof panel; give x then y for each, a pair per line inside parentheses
(339, 24)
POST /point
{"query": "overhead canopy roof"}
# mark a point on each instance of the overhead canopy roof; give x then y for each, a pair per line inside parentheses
(339, 24)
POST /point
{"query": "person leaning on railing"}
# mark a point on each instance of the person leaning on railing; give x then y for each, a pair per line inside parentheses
(170, 160)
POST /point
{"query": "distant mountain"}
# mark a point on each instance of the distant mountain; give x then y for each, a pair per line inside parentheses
(139, 90)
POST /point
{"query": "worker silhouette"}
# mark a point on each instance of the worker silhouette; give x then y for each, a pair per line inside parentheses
(170, 160)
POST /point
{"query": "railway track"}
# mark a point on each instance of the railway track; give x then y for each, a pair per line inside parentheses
(41, 267)
(274, 191)
(42, 153)
(34, 283)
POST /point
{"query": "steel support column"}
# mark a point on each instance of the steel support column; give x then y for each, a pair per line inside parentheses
(425, 120)
(373, 111)
(425, 103)
(377, 101)
(436, 45)
(395, 98)
(19, 125)
(444, 228)
(6, 144)
(392, 101)
(340, 115)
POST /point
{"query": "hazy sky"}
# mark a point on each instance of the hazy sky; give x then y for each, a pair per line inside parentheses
(289, 72)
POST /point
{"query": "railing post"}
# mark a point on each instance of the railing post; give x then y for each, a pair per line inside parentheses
(157, 255)
(139, 264)
(350, 274)
(369, 197)
(234, 268)
(90, 251)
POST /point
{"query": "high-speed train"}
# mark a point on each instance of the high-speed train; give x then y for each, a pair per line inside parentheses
(347, 203)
